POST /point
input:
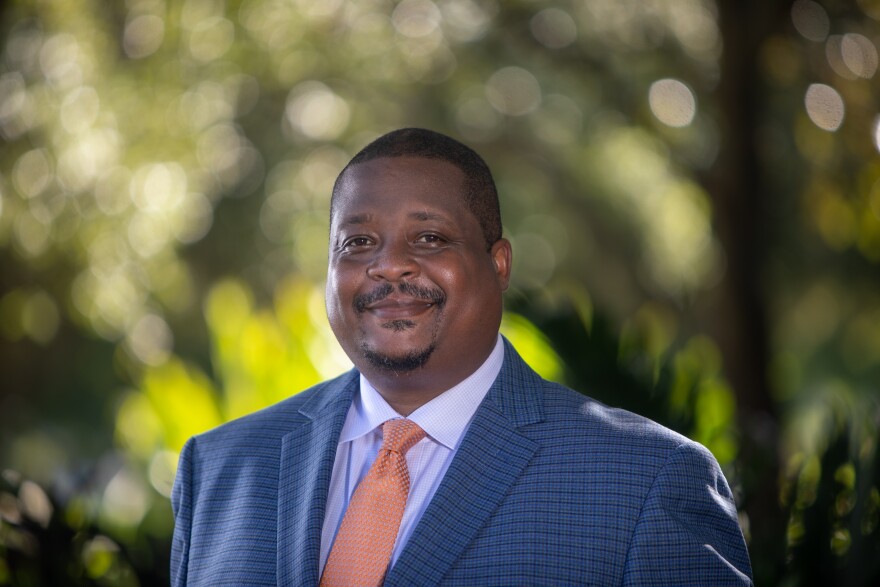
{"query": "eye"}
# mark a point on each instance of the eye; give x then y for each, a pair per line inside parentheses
(356, 242)
(430, 238)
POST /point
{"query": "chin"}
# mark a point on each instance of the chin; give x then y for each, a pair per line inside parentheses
(398, 364)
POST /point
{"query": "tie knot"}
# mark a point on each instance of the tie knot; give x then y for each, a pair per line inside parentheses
(400, 435)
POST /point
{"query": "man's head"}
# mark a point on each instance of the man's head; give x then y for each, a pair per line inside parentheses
(417, 262)
(480, 194)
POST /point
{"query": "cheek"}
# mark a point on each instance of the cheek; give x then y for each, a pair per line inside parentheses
(466, 288)
(334, 297)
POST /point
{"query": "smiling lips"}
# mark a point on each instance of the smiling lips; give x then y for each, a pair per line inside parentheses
(405, 301)
(398, 308)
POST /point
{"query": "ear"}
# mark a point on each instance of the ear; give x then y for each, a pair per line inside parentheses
(502, 256)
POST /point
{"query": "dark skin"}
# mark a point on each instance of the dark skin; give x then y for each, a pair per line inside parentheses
(410, 279)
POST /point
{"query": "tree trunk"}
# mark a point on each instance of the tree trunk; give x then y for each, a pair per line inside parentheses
(738, 191)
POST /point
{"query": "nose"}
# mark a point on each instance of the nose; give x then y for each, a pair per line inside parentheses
(393, 262)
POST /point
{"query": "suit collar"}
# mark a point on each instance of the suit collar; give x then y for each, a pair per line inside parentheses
(337, 395)
(492, 456)
(517, 390)
(307, 455)
(466, 498)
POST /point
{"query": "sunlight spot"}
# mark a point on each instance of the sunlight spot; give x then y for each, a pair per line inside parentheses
(143, 35)
(148, 234)
(834, 56)
(871, 8)
(467, 20)
(672, 102)
(32, 173)
(58, 60)
(31, 235)
(810, 20)
(554, 28)
(125, 499)
(98, 556)
(513, 91)
(158, 187)
(35, 503)
(163, 467)
(316, 111)
(84, 159)
(696, 27)
(13, 96)
(416, 18)
(220, 147)
(859, 55)
(151, 340)
(211, 38)
(877, 132)
(824, 106)
(194, 219)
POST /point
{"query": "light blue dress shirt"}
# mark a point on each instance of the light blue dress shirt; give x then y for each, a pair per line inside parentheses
(445, 419)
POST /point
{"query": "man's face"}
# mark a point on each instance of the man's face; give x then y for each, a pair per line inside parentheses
(411, 288)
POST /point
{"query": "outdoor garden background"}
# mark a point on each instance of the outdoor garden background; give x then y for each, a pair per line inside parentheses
(692, 189)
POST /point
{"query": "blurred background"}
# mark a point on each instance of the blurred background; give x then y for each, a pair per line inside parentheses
(692, 189)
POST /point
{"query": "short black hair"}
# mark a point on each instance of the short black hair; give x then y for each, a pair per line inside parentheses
(480, 197)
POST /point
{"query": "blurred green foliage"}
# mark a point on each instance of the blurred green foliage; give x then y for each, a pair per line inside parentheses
(691, 187)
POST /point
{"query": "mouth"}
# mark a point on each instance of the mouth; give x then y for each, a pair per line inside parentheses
(407, 302)
(399, 308)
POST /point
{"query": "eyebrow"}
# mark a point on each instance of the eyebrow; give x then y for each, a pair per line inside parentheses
(356, 219)
(423, 216)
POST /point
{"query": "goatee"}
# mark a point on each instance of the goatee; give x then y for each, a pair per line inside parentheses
(398, 365)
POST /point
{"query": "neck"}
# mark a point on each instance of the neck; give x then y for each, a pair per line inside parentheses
(408, 391)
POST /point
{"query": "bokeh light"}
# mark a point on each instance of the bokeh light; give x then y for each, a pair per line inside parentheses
(513, 91)
(824, 106)
(150, 340)
(859, 54)
(554, 28)
(810, 20)
(876, 133)
(416, 18)
(672, 102)
(316, 111)
(143, 35)
(467, 20)
(871, 8)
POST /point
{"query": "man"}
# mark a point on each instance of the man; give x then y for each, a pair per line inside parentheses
(503, 479)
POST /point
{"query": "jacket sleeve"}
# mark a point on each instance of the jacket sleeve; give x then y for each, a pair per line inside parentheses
(687, 532)
(181, 505)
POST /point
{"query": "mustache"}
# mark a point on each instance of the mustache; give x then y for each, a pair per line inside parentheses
(432, 295)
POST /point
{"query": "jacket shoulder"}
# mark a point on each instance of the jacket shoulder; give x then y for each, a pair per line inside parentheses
(609, 420)
(278, 419)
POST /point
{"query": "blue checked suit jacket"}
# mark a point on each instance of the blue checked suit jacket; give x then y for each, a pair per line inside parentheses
(548, 488)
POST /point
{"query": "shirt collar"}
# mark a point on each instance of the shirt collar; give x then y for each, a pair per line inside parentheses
(445, 418)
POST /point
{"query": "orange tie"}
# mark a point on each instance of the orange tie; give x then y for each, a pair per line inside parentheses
(362, 550)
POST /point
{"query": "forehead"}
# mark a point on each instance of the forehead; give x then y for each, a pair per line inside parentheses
(391, 183)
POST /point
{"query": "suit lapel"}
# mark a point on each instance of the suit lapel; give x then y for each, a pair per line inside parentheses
(491, 457)
(307, 455)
